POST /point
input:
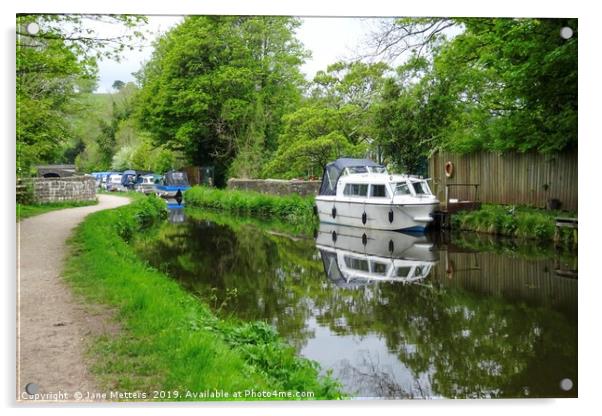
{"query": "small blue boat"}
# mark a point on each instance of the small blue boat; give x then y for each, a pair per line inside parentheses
(173, 184)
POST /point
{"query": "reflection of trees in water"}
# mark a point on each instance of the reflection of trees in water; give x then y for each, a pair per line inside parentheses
(470, 345)
(266, 270)
(370, 378)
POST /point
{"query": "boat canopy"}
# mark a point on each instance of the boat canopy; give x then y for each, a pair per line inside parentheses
(176, 179)
(333, 171)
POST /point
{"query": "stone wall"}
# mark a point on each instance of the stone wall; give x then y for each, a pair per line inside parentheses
(276, 186)
(74, 188)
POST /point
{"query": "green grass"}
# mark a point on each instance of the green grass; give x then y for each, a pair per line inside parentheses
(292, 209)
(170, 340)
(30, 210)
(514, 221)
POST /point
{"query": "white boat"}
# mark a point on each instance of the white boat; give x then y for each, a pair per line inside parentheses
(353, 256)
(361, 193)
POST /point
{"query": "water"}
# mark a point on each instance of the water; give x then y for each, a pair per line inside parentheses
(391, 315)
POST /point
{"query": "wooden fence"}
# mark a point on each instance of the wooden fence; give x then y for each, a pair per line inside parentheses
(509, 178)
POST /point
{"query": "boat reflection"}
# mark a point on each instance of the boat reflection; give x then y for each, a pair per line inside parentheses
(176, 213)
(355, 256)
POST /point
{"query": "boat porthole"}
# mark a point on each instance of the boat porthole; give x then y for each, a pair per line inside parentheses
(334, 212)
(364, 239)
(391, 246)
(364, 218)
(334, 236)
(391, 216)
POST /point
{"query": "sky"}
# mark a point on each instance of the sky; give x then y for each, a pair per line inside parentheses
(328, 38)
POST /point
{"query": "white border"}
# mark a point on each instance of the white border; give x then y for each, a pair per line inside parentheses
(589, 186)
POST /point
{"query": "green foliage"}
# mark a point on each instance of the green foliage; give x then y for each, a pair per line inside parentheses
(521, 222)
(292, 208)
(307, 157)
(218, 86)
(54, 66)
(336, 121)
(500, 85)
(149, 211)
(170, 340)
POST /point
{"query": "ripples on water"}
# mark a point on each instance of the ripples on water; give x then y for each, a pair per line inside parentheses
(393, 315)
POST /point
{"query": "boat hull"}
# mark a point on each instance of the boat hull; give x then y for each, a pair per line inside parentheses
(415, 217)
(165, 191)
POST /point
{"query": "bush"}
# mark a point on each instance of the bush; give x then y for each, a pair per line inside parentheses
(293, 209)
(146, 213)
(522, 222)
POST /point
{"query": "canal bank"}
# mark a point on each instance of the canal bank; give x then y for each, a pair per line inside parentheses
(171, 340)
(512, 221)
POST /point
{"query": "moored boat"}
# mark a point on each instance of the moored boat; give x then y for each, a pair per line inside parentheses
(173, 184)
(361, 193)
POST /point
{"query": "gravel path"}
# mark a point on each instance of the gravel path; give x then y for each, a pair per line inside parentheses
(51, 325)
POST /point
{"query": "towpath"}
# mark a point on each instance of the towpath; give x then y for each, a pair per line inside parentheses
(52, 325)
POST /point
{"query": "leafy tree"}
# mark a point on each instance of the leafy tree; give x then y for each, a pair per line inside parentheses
(217, 87)
(54, 64)
(336, 121)
(118, 85)
(498, 85)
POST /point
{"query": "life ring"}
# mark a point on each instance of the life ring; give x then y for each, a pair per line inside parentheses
(449, 169)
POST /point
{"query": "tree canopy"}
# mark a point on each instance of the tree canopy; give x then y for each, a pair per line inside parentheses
(217, 87)
(54, 63)
(499, 85)
(227, 91)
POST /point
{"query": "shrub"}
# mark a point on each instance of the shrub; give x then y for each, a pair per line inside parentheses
(522, 222)
(291, 208)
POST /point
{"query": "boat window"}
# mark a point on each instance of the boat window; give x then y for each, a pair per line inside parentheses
(378, 169)
(356, 189)
(402, 188)
(356, 264)
(421, 188)
(358, 169)
(403, 271)
(378, 191)
(421, 271)
(380, 268)
(176, 179)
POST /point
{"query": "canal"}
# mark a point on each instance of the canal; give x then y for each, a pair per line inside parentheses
(391, 315)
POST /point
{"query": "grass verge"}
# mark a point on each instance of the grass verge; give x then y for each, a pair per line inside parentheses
(292, 209)
(513, 221)
(30, 210)
(170, 341)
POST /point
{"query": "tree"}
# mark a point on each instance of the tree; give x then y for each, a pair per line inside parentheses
(118, 85)
(54, 64)
(498, 84)
(336, 120)
(217, 87)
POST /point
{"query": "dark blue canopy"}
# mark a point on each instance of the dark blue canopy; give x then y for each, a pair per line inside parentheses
(173, 178)
(333, 170)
